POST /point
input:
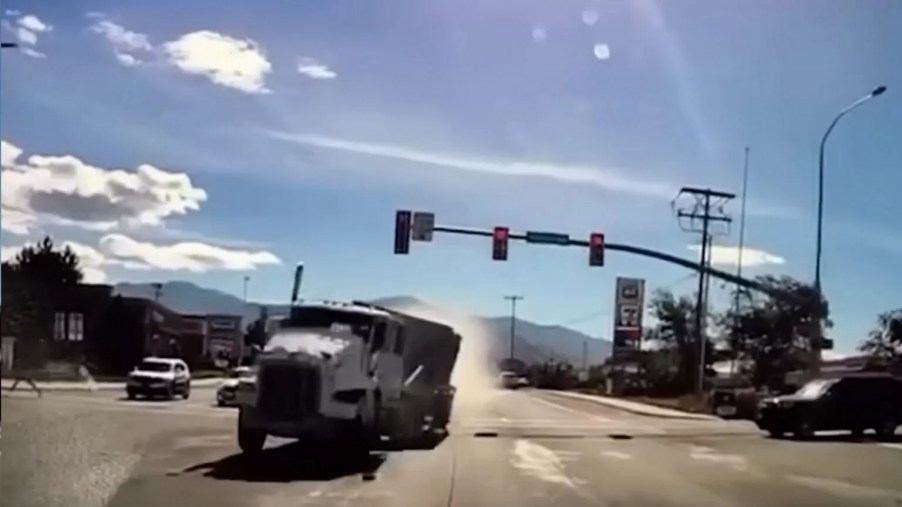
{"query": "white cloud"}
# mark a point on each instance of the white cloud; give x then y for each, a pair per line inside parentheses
(63, 189)
(230, 62)
(127, 59)
(124, 252)
(32, 53)
(26, 36)
(604, 178)
(539, 34)
(26, 31)
(128, 46)
(9, 153)
(189, 255)
(33, 23)
(723, 255)
(590, 16)
(601, 51)
(315, 70)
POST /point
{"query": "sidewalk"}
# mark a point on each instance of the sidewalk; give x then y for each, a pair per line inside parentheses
(6, 384)
(635, 407)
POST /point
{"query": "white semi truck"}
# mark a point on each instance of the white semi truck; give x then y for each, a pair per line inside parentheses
(356, 371)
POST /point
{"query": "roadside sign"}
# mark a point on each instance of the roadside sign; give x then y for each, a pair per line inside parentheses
(547, 238)
(423, 223)
(629, 299)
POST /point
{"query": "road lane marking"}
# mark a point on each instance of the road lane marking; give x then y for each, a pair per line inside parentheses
(616, 455)
(734, 461)
(568, 409)
(891, 446)
(540, 462)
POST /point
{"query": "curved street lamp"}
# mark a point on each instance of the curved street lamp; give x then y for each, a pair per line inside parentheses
(820, 210)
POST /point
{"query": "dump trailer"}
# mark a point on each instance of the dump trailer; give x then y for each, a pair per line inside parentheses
(429, 355)
(356, 371)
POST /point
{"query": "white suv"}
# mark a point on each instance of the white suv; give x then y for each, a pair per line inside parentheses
(159, 376)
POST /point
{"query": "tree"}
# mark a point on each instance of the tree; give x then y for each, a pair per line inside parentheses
(675, 337)
(43, 264)
(774, 332)
(28, 285)
(885, 341)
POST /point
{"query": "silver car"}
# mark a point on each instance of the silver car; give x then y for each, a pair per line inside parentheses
(225, 395)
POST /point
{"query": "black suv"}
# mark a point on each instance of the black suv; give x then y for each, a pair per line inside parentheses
(854, 403)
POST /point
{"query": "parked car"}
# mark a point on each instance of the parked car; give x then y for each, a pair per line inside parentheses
(225, 395)
(159, 376)
(854, 403)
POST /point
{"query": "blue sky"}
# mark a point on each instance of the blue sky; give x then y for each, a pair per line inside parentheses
(208, 141)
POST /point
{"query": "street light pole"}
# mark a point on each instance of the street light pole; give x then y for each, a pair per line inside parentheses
(818, 290)
(513, 300)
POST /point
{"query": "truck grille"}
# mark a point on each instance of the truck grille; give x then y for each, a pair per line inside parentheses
(288, 391)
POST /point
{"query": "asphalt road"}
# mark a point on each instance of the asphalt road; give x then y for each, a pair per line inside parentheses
(506, 448)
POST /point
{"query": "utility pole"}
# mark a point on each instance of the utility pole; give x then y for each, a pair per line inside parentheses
(736, 303)
(706, 210)
(585, 356)
(513, 299)
(246, 280)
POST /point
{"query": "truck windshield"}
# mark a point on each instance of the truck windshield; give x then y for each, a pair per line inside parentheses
(814, 388)
(337, 320)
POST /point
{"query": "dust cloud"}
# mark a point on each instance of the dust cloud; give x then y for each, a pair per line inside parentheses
(474, 375)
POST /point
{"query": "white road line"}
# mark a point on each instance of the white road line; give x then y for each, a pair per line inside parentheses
(892, 446)
(616, 455)
(734, 461)
(569, 410)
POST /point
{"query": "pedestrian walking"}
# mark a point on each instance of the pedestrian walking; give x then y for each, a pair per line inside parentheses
(26, 378)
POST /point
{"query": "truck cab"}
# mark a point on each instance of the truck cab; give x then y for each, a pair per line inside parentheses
(328, 367)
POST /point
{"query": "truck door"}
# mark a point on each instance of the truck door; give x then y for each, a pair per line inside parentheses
(389, 362)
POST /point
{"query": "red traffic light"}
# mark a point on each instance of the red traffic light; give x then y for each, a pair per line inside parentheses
(596, 249)
(499, 243)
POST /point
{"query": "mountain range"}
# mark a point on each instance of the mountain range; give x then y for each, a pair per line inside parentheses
(533, 342)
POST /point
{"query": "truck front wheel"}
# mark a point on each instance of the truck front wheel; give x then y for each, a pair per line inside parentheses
(250, 440)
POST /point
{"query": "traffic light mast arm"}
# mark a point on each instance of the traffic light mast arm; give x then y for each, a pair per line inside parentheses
(619, 247)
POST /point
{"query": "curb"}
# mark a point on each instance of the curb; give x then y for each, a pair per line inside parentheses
(602, 400)
(86, 387)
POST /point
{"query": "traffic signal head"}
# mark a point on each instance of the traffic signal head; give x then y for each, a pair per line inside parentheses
(402, 232)
(596, 249)
(499, 244)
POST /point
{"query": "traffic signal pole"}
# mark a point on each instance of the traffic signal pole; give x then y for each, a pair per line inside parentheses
(406, 224)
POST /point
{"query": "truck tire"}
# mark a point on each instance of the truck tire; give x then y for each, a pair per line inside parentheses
(250, 440)
(886, 429)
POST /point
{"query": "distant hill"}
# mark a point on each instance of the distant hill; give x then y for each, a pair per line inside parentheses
(533, 343)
